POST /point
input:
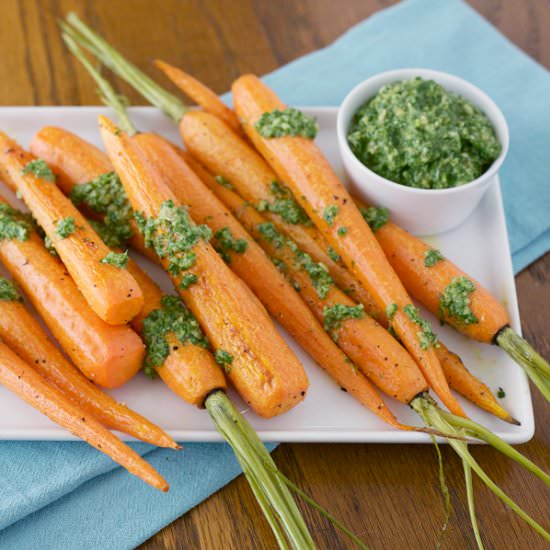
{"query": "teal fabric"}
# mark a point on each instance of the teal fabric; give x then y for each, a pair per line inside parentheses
(67, 496)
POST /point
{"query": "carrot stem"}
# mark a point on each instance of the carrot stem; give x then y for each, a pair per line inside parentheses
(471, 506)
(169, 104)
(106, 92)
(446, 422)
(534, 365)
(252, 453)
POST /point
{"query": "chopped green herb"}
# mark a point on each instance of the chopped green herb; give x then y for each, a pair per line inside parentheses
(187, 280)
(118, 260)
(106, 195)
(271, 234)
(391, 310)
(416, 133)
(49, 246)
(426, 336)
(432, 256)
(40, 169)
(318, 272)
(222, 181)
(14, 225)
(284, 205)
(333, 255)
(330, 212)
(8, 292)
(172, 234)
(172, 317)
(455, 302)
(335, 315)
(224, 359)
(65, 227)
(375, 216)
(501, 394)
(279, 264)
(289, 122)
(226, 243)
(342, 231)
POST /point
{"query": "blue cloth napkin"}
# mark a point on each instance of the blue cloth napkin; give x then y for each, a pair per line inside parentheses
(67, 496)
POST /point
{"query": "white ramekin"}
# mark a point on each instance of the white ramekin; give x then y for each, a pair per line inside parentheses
(420, 211)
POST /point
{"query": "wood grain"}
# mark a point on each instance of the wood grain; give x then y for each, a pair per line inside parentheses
(388, 494)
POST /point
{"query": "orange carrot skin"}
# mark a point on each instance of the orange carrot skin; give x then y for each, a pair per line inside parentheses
(189, 370)
(406, 254)
(74, 161)
(201, 95)
(364, 341)
(24, 335)
(18, 377)
(264, 370)
(258, 271)
(111, 292)
(224, 153)
(302, 166)
(106, 354)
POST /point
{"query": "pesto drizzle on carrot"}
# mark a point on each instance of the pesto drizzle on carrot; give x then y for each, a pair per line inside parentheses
(40, 169)
(426, 336)
(288, 122)
(8, 291)
(225, 243)
(14, 224)
(455, 302)
(335, 315)
(284, 204)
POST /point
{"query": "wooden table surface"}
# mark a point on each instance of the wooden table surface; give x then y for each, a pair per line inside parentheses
(387, 494)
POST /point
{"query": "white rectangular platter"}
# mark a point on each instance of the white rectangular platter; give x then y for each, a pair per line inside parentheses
(479, 246)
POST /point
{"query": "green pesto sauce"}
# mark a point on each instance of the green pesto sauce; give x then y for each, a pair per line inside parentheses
(14, 225)
(48, 244)
(501, 394)
(416, 133)
(285, 205)
(289, 122)
(333, 255)
(118, 260)
(224, 182)
(105, 195)
(391, 310)
(8, 292)
(271, 234)
(454, 303)
(319, 275)
(342, 231)
(335, 315)
(172, 317)
(187, 280)
(224, 359)
(40, 169)
(279, 264)
(225, 244)
(426, 336)
(65, 227)
(432, 256)
(375, 216)
(173, 235)
(330, 212)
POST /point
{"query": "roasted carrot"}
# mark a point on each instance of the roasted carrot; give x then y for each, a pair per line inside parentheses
(201, 95)
(20, 378)
(258, 361)
(458, 299)
(257, 270)
(77, 162)
(189, 370)
(300, 164)
(24, 335)
(108, 355)
(111, 292)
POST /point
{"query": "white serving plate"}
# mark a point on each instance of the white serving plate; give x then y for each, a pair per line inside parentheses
(479, 246)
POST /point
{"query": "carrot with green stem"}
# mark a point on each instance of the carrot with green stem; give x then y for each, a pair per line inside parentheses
(20, 378)
(24, 335)
(112, 293)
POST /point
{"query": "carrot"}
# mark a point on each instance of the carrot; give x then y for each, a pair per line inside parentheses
(201, 94)
(24, 335)
(259, 362)
(108, 355)
(299, 163)
(77, 163)
(111, 292)
(18, 377)
(257, 270)
(458, 299)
